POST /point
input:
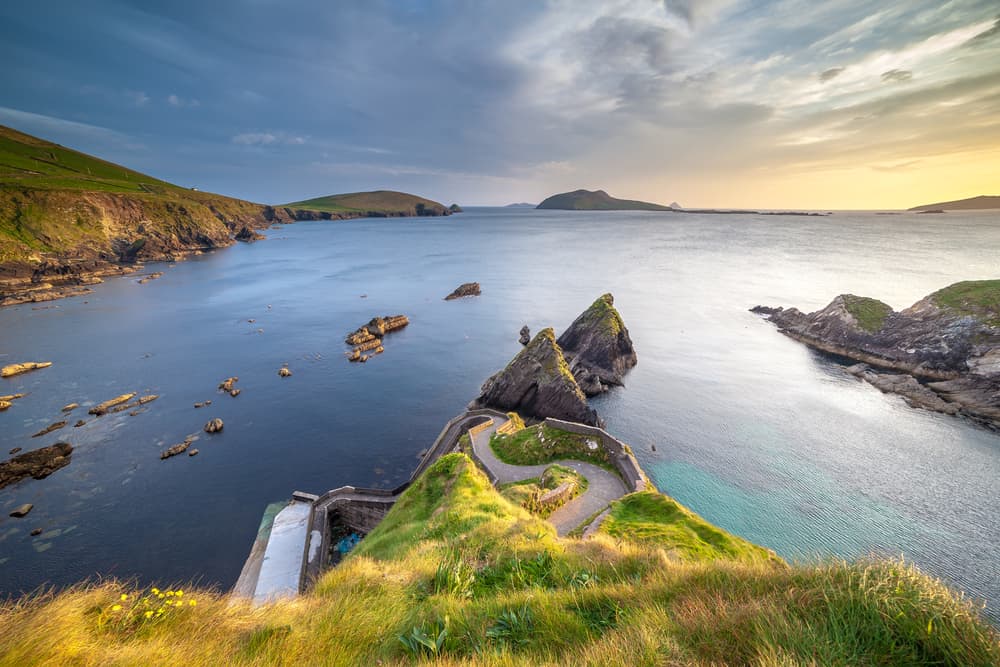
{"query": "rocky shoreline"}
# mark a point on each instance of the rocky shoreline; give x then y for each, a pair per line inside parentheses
(941, 354)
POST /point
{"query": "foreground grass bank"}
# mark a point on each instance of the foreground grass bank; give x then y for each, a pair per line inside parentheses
(456, 574)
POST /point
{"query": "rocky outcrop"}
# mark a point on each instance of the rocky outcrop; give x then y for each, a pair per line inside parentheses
(214, 426)
(284, 372)
(248, 235)
(525, 336)
(538, 383)
(598, 347)
(179, 448)
(16, 369)
(369, 337)
(105, 407)
(48, 429)
(22, 511)
(465, 289)
(39, 463)
(947, 343)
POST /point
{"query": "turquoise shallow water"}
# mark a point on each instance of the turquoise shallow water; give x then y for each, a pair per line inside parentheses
(752, 430)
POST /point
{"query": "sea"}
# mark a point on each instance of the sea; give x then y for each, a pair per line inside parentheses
(755, 432)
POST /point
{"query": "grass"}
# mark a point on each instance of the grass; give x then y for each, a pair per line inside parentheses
(381, 201)
(528, 492)
(542, 444)
(486, 583)
(648, 517)
(870, 314)
(978, 298)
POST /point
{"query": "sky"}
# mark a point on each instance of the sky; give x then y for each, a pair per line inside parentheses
(838, 104)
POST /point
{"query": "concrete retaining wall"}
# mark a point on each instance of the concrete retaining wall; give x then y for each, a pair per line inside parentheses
(618, 452)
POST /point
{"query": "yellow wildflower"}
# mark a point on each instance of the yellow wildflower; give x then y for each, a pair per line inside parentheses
(170, 593)
(191, 602)
(179, 593)
(116, 607)
(160, 596)
(124, 597)
(156, 591)
(149, 614)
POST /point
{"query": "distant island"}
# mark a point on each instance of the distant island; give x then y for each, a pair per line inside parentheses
(596, 200)
(375, 204)
(521, 205)
(982, 202)
(68, 218)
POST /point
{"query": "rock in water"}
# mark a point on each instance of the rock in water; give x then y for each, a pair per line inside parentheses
(248, 235)
(227, 384)
(22, 510)
(465, 289)
(949, 340)
(525, 335)
(284, 372)
(48, 429)
(107, 405)
(17, 369)
(598, 347)
(538, 383)
(39, 463)
(174, 450)
(213, 426)
(70, 407)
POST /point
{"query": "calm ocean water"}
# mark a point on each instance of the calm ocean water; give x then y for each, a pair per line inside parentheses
(753, 431)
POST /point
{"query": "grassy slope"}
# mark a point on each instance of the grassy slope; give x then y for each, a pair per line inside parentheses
(597, 200)
(869, 313)
(541, 444)
(453, 555)
(55, 199)
(360, 202)
(981, 202)
(979, 298)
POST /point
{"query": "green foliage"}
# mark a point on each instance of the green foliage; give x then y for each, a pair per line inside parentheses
(650, 517)
(425, 640)
(528, 492)
(543, 444)
(262, 640)
(453, 577)
(512, 628)
(870, 314)
(978, 298)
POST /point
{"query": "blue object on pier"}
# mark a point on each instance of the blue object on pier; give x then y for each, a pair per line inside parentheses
(348, 543)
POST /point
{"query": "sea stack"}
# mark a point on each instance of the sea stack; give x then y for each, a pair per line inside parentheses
(538, 383)
(598, 347)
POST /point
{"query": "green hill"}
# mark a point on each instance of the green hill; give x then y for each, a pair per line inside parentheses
(66, 213)
(597, 200)
(982, 202)
(378, 203)
(458, 575)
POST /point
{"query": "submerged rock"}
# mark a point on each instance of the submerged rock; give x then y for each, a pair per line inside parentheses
(538, 383)
(463, 290)
(202, 404)
(39, 463)
(598, 347)
(24, 367)
(79, 423)
(950, 340)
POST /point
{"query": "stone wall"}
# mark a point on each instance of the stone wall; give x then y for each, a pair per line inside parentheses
(618, 452)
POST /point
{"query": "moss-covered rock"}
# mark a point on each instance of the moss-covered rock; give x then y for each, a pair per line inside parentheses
(598, 347)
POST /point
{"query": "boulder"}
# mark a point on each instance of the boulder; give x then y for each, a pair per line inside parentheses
(463, 290)
(598, 347)
(202, 404)
(284, 372)
(525, 335)
(214, 426)
(248, 235)
(24, 367)
(48, 429)
(235, 392)
(39, 463)
(22, 510)
(79, 423)
(70, 407)
(538, 383)
(227, 384)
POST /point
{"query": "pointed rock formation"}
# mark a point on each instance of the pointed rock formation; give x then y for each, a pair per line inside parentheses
(538, 383)
(598, 347)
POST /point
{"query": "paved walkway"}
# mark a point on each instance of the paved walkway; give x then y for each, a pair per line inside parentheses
(602, 486)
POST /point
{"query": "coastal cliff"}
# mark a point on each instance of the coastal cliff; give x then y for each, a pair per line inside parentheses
(598, 347)
(538, 383)
(949, 341)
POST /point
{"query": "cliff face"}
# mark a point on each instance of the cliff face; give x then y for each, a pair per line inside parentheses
(598, 347)
(538, 383)
(949, 339)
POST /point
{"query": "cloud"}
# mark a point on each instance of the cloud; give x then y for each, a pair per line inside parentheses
(897, 76)
(829, 74)
(175, 100)
(267, 139)
(986, 35)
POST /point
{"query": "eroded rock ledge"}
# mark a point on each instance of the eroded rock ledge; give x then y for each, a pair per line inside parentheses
(943, 352)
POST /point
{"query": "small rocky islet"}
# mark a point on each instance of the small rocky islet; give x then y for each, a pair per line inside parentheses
(941, 354)
(464, 290)
(546, 379)
(368, 338)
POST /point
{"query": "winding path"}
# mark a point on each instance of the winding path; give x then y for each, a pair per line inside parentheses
(602, 486)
